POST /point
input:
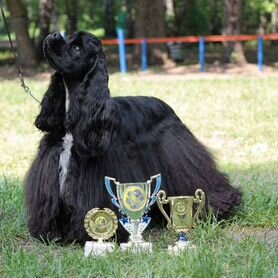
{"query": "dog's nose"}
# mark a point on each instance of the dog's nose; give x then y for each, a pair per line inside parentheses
(56, 35)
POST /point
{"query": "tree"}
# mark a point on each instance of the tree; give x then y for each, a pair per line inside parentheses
(195, 17)
(129, 19)
(45, 12)
(150, 23)
(232, 26)
(260, 16)
(109, 21)
(180, 12)
(25, 49)
(72, 13)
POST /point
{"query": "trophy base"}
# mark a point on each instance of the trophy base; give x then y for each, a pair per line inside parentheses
(94, 248)
(137, 247)
(180, 246)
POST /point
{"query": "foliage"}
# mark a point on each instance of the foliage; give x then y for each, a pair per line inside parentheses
(200, 18)
(254, 10)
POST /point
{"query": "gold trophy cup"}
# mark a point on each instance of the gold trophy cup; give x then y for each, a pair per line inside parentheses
(181, 217)
(100, 224)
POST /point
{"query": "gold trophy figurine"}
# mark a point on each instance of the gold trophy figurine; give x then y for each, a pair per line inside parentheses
(181, 217)
(100, 224)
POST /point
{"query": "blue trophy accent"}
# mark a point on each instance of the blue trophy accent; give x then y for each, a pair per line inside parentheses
(107, 181)
(157, 188)
(123, 220)
(127, 223)
(182, 237)
(146, 219)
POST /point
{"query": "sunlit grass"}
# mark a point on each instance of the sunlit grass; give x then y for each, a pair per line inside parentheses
(236, 117)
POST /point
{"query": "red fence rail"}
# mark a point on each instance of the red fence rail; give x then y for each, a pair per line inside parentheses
(195, 39)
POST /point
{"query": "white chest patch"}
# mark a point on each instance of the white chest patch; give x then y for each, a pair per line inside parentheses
(66, 152)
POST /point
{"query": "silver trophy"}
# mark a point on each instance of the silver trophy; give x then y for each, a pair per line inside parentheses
(134, 201)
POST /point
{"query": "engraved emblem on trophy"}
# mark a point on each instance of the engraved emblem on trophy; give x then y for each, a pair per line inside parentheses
(100, 224)
(181, 217)
(134, 201)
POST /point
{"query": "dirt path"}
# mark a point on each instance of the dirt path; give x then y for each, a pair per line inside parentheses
(168, 72)
(262, 234)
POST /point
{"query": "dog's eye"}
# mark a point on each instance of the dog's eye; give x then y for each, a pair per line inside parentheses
(76, 49)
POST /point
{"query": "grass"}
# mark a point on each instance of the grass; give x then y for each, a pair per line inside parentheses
(236, 117)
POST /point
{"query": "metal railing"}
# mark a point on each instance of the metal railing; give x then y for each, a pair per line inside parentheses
(202, 40)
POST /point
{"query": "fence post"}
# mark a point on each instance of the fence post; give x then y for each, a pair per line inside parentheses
(144, 55)
(122, 51)
(202, 48)
(260, 53)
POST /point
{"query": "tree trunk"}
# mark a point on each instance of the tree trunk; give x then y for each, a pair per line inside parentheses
(109, 21)
(129, 20)
(150, 23)
(181, 11)
(274, 19)
(46, 8)
(274, 23)
(25, 49)
(263, 25)
(216, 17)
(72, 12)
(169, 7)
(232, 25)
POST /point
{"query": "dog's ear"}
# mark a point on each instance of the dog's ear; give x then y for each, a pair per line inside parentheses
(94, 45)
(96, 128)
(52, 112)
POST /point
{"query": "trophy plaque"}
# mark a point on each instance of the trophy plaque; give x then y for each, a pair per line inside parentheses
(181, 217)
(134, 201)
(100, 224)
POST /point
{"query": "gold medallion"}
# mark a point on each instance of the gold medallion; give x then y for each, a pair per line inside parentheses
(180, 208)
(101, 224)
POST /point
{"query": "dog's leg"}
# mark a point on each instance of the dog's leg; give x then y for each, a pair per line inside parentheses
(42, 192)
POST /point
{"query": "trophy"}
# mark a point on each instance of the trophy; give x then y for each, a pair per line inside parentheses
(181, 217)
(133, 201)
(100, 224)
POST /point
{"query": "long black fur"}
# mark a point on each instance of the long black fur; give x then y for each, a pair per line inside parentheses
(129, 138)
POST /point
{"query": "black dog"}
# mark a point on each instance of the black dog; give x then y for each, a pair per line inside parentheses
(89, 135)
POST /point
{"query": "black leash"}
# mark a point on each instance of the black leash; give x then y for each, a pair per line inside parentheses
(19, 71)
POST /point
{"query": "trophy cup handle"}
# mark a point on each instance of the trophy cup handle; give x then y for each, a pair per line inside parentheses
(199, 199)
(161, 200)
(157, 187)
(114, 199)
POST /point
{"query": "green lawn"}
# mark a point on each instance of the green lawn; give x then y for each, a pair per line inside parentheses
(236, 117)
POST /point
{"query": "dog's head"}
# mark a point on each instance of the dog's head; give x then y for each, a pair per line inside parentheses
(73, 57)
(91, 115)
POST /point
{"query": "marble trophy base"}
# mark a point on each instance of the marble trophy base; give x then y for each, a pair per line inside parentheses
(137, 247)
(95, 248)
(180, 246)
